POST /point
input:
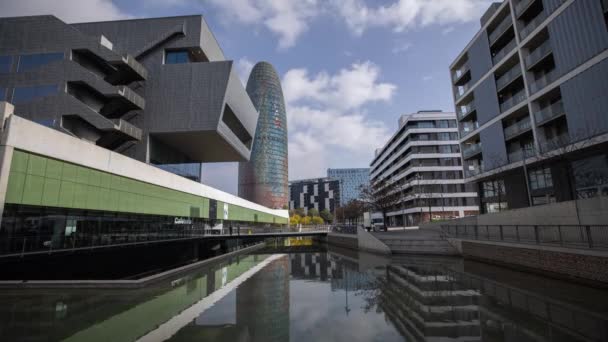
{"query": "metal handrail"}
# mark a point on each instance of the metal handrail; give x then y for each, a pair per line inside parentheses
(522, 5)
(555, 143)
(533, 24)
(458, 73)
(539, 53)
(542, 82)
(503, 52)
(461, 90)
(468, 127)
(520, 155)
(513, 100)
(568, 236)
(466, 109)
(517, 128)
(500, 29)
(549, 112)
(472, 150)
(508, 76)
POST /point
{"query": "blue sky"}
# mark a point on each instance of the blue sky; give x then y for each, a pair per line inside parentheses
(349, 68)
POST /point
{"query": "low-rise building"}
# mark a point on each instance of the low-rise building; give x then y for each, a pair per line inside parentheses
(317, 193)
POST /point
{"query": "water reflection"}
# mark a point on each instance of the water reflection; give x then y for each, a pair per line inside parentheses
(322, 294)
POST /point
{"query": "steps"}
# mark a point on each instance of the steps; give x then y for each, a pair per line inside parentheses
(417, 242)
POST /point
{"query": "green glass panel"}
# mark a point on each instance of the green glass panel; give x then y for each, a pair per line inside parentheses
(14, 191)
(95, 178)
(93, 197)
(82, 175)
(80, 195)
(66, 194)
(53, 169)
(36, 165)
(50, 196)
(104, 180)
(19, 161)
(69, 172)
(32, 191)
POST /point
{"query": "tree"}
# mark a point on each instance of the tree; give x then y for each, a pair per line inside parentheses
(300, 211)
(313, 212)
(306, 220)
(295, 219)
(317, 220)
(353, 210)
(381, 196)
(326, 215)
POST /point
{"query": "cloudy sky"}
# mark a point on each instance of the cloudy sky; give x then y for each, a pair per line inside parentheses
(349, 68)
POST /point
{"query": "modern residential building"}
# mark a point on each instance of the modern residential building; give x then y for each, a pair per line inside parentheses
(530, 94)
(158, 90)
(263, 179)
(421, 164)
(318, 193)
(351, 181)
(102, 112)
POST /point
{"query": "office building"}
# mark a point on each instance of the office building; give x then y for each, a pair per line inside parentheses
(421, 166)
(351, 181)
(111, 123)
(530, 94)
(263, 179)
(158, 90)
(317, 193)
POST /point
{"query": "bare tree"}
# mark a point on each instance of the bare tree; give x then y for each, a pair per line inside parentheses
(382, 196)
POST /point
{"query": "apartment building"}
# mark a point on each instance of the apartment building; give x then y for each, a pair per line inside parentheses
(421, 162)
(530, 95)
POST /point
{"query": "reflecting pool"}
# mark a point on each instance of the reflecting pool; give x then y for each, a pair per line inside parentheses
(299, 291)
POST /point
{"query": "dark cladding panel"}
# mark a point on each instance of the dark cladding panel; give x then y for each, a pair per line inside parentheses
(480, 59)
(578, 34)
(552, 5)
(493, 147)
(585, 102)
(486, 101)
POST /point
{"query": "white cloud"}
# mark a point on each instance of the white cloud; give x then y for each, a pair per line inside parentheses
(326, 116)
(406, 14)
(67, 10)
(401, 47)
(243, 68)
(288, 19)
(447, 30)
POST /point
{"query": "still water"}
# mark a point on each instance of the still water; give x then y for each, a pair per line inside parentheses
(316, 293)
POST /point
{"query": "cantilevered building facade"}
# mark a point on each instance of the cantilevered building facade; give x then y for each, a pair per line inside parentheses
(421, 166)
(263, 179)
(530, 94)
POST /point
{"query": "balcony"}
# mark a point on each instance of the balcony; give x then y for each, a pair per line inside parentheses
(458, 73)
(473, 170)
(518, 128)
(555, 143)
(461, 90)
(508, 77)
(500, 29)
(465, 110)
(513, 100)
(549, 113)
(532, 25)
(500, 55)
(520, 155)
(471, 150)
(538, 54)
(522, 6)
(468, 127)
(543, 81)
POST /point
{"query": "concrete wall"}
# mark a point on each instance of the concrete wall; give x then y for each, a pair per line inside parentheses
(593, 211)
(370, 243)
(561, 262)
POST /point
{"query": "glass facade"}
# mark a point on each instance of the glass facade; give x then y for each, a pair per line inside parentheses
(25, 94)
(2, 94)
(177, 57)
(5, 64)
(264, 178)
(167, 158)
(351, 181)
(28, 62)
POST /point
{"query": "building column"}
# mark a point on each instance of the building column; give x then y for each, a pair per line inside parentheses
(6, 153)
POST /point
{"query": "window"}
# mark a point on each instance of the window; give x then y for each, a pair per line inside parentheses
(5, 64)
(493, 188)
(25, 94)
(541, 179)
(2, 94)
(28, 62)
(177, 57)
(540, 200)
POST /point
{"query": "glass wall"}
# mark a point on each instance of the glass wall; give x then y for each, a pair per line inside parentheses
(177, 57)
(25, 94)
(28, 62)
(5, 64)
(169, 159)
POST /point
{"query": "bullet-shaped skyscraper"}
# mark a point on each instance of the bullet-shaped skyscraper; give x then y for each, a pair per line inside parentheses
(263, 179)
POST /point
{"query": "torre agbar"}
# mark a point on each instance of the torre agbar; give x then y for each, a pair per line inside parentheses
(263, 179)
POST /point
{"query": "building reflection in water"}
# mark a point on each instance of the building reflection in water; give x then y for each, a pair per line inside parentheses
(317, 295)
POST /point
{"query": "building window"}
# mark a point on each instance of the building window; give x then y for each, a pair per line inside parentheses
(28, 62)
(25, 94)
(5, 64)
(2, 94)
(540, 200)
(541, 179)
(177, 57)
(493, 188)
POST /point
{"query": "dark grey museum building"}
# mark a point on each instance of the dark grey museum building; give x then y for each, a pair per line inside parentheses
(158, 90)
(531, 96)
(317, 193)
